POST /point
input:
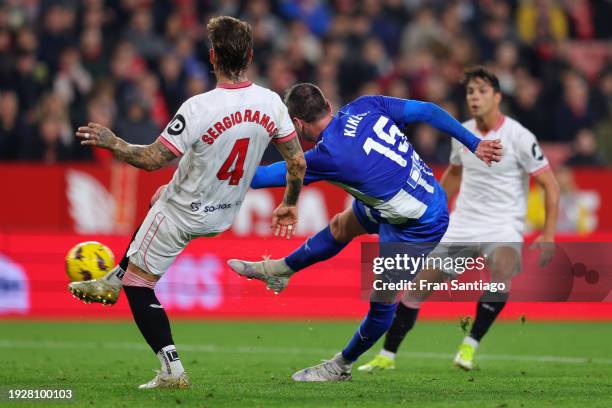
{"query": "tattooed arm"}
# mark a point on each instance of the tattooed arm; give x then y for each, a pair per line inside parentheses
(150, 157)
(296, 168)
(284, 217)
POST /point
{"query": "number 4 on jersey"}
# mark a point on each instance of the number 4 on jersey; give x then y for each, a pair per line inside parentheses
(237, 155)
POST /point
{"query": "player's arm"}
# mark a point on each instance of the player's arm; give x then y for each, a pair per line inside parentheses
(451, 180)
(295, 168)
(407, 111)
(148, 157)
(284, 217)
(319, 166)
(547, 181)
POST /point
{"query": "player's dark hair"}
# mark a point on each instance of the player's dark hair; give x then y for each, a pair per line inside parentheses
(231, 40)
(482, 73)
(306, 102)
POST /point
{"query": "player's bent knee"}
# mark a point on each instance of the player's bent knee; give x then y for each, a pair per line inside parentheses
(136, 277)
(345, 226)
(410, 303)
(338, 231)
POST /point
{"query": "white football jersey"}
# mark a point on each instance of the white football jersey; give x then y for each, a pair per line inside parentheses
(496, 197)
(220, 136)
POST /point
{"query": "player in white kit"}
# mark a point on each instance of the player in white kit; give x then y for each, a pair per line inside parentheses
(220, 137)
(490, 212)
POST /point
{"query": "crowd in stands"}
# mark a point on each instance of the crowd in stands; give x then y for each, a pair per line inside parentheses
(129, 64)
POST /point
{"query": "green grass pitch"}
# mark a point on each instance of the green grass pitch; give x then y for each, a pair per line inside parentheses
(249, 364)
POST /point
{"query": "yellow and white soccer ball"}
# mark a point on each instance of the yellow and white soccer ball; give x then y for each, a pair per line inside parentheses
(89, 260)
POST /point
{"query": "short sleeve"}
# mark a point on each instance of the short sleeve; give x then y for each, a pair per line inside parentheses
(183, 130)
(530, 155)
(285, 130)
(455, 153)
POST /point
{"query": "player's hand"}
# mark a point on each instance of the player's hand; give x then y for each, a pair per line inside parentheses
(547, 249)
(97, 135)
(284, 220)
(489, 151)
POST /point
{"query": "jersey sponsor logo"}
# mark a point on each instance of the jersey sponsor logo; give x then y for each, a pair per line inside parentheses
(212, 208)
(236, 118)
(177, 125)
(536, 151)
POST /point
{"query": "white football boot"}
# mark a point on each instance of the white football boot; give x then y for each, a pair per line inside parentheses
(162, 380)
(328, 370)
(273, 272)
(104, 290)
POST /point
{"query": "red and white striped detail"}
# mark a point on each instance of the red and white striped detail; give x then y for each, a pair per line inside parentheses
(131, 279)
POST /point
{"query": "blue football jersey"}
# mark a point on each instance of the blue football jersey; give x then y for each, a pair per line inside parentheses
(364, 151)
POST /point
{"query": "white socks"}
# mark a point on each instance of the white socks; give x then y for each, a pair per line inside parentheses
(343, 363)
(114, 277)
(387, 353)
(471, 341)
(170, 362)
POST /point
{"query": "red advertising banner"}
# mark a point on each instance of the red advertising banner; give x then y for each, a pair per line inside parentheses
(113, 199)
(200, 285)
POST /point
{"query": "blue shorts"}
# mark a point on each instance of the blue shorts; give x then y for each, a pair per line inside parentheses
(412, 231)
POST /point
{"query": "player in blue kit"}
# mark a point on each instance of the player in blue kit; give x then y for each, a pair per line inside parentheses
(362, 150)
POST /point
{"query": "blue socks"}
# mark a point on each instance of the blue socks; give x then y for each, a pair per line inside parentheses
(318, 248)
(376, 323)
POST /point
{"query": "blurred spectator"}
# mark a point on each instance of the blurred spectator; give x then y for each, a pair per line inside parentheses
(12, 128)
(541, 19)
(29, 81)
(137, 127)
(58, 33)
(141, 34)
(172, 81)
(314, 13)
(93, 53)
(585, 150)
(423, 32)
(427, 145)
(132, 63)
(528, 108)
(72, 82)
(574, 111)
(47, 145)
(148, 87)
(506, 59)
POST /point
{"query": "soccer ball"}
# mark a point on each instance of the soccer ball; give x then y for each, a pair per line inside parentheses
(89, 260)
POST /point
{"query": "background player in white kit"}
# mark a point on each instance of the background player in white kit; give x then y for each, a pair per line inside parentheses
(220, 136)
(490, 211)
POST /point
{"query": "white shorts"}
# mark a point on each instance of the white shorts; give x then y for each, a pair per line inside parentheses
(158, 241)
(485, 241)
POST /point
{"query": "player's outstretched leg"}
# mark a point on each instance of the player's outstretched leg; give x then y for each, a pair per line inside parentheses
(273, 272)
(376, 323)
(489, 307)
(276, 273)
(151, 319)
